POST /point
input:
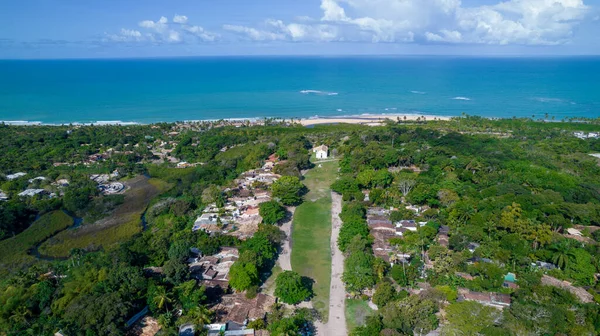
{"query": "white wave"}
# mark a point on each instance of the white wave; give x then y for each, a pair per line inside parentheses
(390, 109)
(21, 122)
(320, 93)
(339, 110)
(461, 98)
(549, 100)
(418, 92)
(114, 122)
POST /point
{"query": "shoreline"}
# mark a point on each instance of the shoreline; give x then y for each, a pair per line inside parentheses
(373, 120)
(364, 119)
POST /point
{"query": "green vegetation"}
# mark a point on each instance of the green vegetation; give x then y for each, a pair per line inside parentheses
(292, 288)
(271, 212)
(319, 179)
(14, 250)
(122, 224)
(288, 190)
(257, 256)
(507, 197)
(357, 312)
(311, 250)
(505, 191)
(470, 318)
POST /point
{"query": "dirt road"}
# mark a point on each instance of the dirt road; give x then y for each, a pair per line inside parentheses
(284, 259)
(336, 325)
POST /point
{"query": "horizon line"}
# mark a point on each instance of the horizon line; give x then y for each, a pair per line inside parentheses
(529, 56)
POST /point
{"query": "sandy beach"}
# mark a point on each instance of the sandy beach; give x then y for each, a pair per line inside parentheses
(372, 120)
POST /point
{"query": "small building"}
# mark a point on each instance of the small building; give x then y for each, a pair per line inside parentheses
(321, 151)
(15, 176)
(465, 276)
(228, 329)
(213, 271)
(32, 192)
(472, 247)
(236, 310)
(495, 300)
(544, 265)
(39, 178)
(187, 330)
(3, 196)
(510, 281)
(62, 182)
(366, 194)
(409, 224)
(574, 232)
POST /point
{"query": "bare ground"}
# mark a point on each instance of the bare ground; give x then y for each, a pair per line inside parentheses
(336, 324)
(286, 250)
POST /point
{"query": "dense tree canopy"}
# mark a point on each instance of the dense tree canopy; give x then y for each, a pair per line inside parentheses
(291, 288)
(288, 190)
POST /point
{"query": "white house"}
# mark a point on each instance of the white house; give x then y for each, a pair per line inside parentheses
(321, 151)
(574, 232)
(31, 192)
(15, 176)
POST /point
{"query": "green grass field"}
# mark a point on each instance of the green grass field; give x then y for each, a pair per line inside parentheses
(311, 234)
(14, 250)
(119, 226)
(318, 179)
(357, 312)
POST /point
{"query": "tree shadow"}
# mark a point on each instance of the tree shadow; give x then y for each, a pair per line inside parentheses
(308, 283)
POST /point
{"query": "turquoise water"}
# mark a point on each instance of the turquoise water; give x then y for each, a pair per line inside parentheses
(153, 90)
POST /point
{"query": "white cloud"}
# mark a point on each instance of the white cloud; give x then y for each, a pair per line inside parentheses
(174, 36)
(530, 22)
(159, 26)
(255, 34)
(125, 35)
(444, 36)
(277, 30)
(180, 19)
(162, 31)
(201, 33)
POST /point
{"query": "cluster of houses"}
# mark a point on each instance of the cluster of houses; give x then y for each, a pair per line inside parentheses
(162, 150)
(590, 135)
(33, 189)
(106, 186)
(213, 271)
(383, 229)
(239, 216)
(235, 311)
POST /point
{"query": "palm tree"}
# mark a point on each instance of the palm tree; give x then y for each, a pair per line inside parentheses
(161, 297)
(200, 315)
(562, 255)
(474, 166)
(379, 266)
(19, 316)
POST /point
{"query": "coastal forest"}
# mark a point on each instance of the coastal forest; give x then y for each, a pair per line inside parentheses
(492, 227)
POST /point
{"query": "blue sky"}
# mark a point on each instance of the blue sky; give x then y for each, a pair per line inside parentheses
(167, 28)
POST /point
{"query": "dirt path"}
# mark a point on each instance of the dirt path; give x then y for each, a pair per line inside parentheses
(284, 260)
(336, 325)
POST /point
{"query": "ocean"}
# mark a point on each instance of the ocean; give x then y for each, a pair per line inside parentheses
(154, 90)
